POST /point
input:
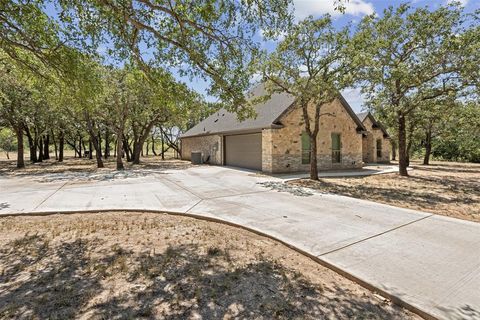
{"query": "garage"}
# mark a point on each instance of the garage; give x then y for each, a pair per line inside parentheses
(244, 150)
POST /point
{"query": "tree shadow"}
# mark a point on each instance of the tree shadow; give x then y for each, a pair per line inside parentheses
(395, 194)
(285, 187)
(84, 170)
(182, 282)
(58, 287)
(466, 312)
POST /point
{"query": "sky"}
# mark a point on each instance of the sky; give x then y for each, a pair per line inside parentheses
(355, 10)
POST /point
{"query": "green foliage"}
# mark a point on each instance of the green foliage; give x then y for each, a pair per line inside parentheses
(460, 140)
(7, 140)
(409, 60)
(210, 39)
(311, 63)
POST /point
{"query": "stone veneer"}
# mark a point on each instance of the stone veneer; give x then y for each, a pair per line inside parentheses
(210, 146)
(282, 148)
(370, 144)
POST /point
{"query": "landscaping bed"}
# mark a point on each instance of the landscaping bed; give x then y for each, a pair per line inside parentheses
(144, 265)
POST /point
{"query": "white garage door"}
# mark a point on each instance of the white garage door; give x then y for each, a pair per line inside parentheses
(244, 150)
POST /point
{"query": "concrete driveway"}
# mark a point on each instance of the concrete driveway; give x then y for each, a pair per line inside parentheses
(428, 262)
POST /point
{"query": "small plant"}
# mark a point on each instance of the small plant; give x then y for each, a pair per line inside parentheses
(213, 251)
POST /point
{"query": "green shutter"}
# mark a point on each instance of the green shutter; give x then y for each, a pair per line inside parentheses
(336, 146)
(306, 148)
(336, 141)
(305, 142)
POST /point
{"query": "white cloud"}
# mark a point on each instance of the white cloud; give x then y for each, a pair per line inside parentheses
(354, 98)
(304, 8)
(463, 3)
(279, 36)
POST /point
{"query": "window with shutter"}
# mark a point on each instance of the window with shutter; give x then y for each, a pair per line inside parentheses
(306, 148)
(336, 148)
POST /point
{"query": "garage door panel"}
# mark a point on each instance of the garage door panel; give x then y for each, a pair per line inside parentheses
(244, 150)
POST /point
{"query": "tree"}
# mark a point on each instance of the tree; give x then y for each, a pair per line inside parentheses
(15, 104)
(7, 141)
(407, 57)
(313, 65)
(210, 39)
(457, 140)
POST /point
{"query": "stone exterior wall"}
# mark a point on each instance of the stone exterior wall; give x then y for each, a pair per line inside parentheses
(282, 148)
(210, 146)
(370, 144)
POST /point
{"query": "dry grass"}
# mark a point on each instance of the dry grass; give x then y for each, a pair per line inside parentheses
(73, 165)
(446, 188)
(144, 265)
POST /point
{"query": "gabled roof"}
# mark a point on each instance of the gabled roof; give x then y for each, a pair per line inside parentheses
(364, 115)
(269, 114)
(224, 121)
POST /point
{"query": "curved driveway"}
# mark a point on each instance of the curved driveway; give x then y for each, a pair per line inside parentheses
(430, 263)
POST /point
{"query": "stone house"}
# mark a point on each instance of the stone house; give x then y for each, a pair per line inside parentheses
(376, 144)
(275, 140)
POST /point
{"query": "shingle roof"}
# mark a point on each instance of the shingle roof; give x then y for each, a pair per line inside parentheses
(268, 116)
(363, 115)
(224, 121)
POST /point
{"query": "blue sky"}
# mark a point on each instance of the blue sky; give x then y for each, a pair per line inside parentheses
(355, 10)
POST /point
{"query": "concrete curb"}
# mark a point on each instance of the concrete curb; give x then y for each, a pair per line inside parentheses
(395, 299)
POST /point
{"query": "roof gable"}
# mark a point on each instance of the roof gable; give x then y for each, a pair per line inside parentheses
(364, 115)
(224, 121)
(268, 115)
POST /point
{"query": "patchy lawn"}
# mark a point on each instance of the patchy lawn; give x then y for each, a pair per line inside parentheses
(446, 188)
(145, 265)
(86, 169)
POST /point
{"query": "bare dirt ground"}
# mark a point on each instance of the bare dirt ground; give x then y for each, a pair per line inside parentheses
(84, 168)
(447, 188)
(144, 265)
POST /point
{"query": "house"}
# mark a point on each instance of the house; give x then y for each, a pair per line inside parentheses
(275, 141)
(376, 144)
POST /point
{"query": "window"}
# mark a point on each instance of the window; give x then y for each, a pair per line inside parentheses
(306, 148)
(379, 148)
(336, 146)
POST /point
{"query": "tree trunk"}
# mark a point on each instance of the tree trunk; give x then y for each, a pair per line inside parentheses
(107, 144)
(96, 146)
(163, 145)
(147, 148)
(80, 147)
(126, 149)
(402, 146)
(46, 145)
(94, 140)
(137, 150)
(153, 145)
(428, 147)
(90, 155)
(409, 151)
(118, 149)
(313, 158)
(40, 150)
(55, 145)
(394, 151)
(31, 146)
(20, 156)
(61, 146)
(99, 140)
